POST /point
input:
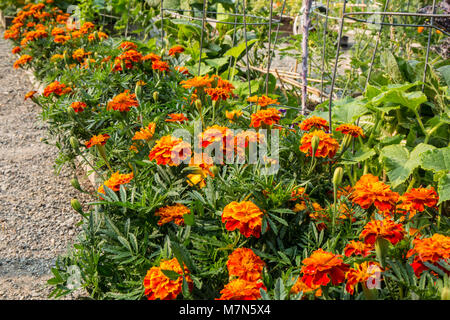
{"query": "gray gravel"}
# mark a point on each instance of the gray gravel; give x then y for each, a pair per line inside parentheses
(37, 222)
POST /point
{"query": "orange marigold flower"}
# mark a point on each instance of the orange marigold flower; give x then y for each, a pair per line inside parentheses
(223, 84)
(233, 115)
(314, 122)
(61, 39)
(170, 150)
(158, 286)
(197, 82)
(176, 49)
(56, 88)
(351, 129)
(328, 146)
(78, 106)
(58, 31)
(365, 273)
(145, 133)
(56, 57)
(300, 286)
(127, 58)
(127, 45)
(115, 181)
(218, 93)
(385, 229)
(173, 213)
(369, 190)
(268, 116)
(160, 65)
(176, 117)
(97, 140)
(429, 250)
(24, 59)
(263, 101)
(182, 70)
(151, 56)
(245, 264)
(298, 193)
(123, 102)
(421, 197)
(323, 266)
(245, 216)
(30, 94)
(245, 139)
(202, 162)
(357, 248)
(86, 27)
(240, 289)
(16, 50)
(80, 54)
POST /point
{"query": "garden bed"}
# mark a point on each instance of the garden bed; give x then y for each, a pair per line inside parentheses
(344, 203)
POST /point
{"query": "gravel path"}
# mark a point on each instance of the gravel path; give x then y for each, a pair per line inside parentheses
(36, 220)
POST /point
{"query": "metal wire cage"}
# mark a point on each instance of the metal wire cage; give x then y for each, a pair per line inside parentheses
(384, 17)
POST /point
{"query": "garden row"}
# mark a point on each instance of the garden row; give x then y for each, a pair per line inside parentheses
(207, 193)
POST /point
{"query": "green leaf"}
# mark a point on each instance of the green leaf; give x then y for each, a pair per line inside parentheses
(280, 220)
(188, 219)
(279, 292)
(436, 160)
(218, 62)
(399, 163)
(239, 49)
(172, 275)
(444, 188)
(358, 157)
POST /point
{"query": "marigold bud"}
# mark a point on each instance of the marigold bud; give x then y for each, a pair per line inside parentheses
(198, 105)
(214, 170)
(74, 143)
(337, 176)
(156, 96)
(70, 112)
(138, 90)
(76, 184)
(314, 144)
(76, 205)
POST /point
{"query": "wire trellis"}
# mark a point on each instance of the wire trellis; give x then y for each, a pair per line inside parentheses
(240, 18)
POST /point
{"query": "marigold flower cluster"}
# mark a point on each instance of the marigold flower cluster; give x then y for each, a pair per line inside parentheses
(350, 129)
(170, 151)
(370, 191)
(56, 88)
(97, 140)
(384, 229)
(268, 117)
(245, 216)
(145, 133)
(123, 102)
(364, 273)
(262, 101)
(24, 59)
(244, 264)
(115, 181)
(429, 250)
(78, 106)
(326, 148)
(322, 267)
(202, 164)
(314, 122)
(158, 286)
(173, 213)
